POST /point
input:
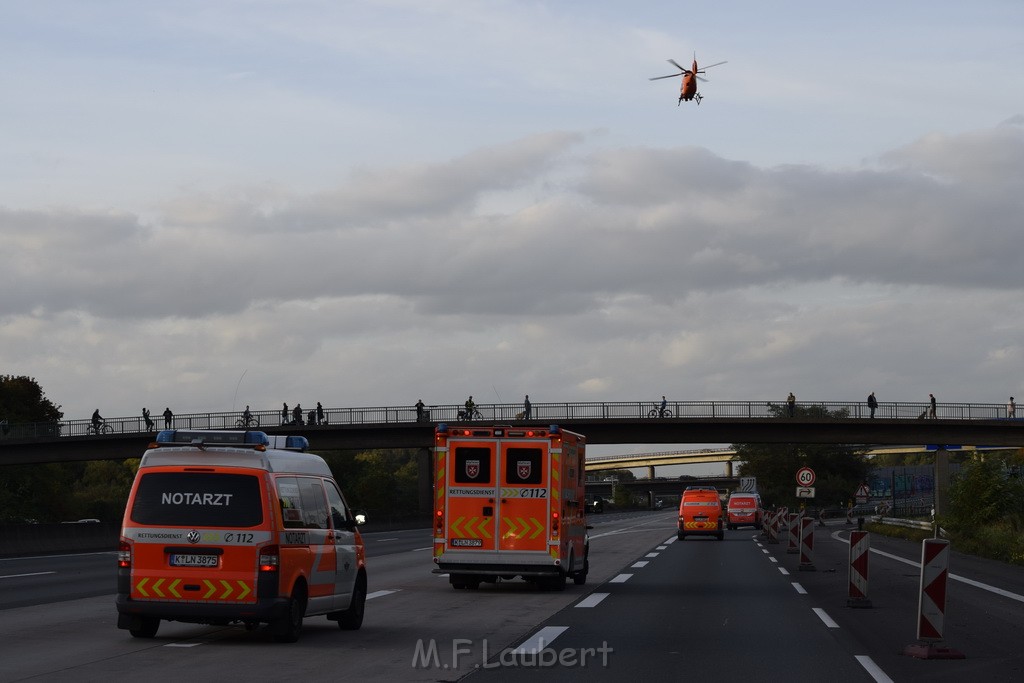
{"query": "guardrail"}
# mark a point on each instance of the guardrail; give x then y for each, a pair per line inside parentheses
(545, 412)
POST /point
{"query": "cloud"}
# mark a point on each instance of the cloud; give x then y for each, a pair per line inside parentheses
(541, 266)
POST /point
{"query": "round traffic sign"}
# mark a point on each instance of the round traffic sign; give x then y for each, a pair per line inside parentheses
(805, 476)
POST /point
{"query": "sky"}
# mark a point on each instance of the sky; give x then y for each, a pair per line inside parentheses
(208, 204)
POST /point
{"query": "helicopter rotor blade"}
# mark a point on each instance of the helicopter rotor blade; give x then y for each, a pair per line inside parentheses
(708, 66)
(702, 79)
(678, 65)
(658, 78)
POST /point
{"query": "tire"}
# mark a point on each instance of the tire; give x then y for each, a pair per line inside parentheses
(653, 413)
(352, 618)
(240, 423)
(580, 577)
(680, 535)
(146, 628)
(668, 413)
(287, 628)
(107, 429)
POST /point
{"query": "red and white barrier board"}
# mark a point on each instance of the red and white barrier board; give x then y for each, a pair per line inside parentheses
(860, 550)
(806, 545)
(931, 604)
(794, 534)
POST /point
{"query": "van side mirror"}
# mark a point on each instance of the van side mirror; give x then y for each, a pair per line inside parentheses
(360, 518)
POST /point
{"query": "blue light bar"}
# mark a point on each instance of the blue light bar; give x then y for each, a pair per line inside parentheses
(554, 429)
(442, 427)
(298, 443)
(212, 437)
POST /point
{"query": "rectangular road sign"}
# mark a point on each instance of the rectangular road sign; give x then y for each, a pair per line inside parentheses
(805, 492)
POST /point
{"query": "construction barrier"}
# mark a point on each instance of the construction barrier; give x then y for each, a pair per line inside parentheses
(860, 547)
(794, 534)
(931, 602)
(773, 526)
(806, 544)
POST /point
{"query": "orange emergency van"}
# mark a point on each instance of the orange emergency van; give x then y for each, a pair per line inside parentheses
(237, 526)
(700, 513)
(508, 502)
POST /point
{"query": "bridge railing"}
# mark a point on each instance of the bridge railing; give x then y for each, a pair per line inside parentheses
(509, 412)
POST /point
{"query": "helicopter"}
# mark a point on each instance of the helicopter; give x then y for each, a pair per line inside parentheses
(688, 90)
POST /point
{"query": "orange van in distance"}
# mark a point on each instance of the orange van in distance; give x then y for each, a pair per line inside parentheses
(700, 513)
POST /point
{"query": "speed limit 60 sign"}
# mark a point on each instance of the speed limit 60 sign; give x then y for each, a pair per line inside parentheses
(805, 476)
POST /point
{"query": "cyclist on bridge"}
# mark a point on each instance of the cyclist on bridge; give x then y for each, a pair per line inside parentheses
(96, 419)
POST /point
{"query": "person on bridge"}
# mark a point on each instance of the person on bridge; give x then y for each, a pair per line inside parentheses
(96, 419)
(319, 413)
(297, 415)
(872, 403)
(791, 404)
(931, 406)
(168, 418)
(664, 404)
(284, 413)
(527, 408)
(470, 407)
(149, 422)
(419, 410)
(1011, 409)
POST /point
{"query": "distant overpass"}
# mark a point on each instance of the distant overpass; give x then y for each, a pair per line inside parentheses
(603, 423)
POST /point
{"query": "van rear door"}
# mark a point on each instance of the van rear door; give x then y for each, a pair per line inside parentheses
(524, 496)
(472, 495)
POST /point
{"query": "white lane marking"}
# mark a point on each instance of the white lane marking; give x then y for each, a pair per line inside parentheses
(540, 640)
(182, 644)
(624, 530)
(592, 600)
(765, 551)
(773, 559)
(652, 554)
(873, 669)
(784, 571)
(799, 589)
(621, 578)
(825, 617)
(381, 540)
(671, 540)
(955, 577)
(381, 594)
(639, 564)
(17, 576)
(662, 547)
(416, 550)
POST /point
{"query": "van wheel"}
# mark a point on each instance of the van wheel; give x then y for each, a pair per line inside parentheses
(352, 618)
(287, 628)
(146, 627)
(680, 535)
(580, 577)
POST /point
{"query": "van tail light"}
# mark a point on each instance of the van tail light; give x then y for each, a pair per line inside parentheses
(438, 523)
(124, 555)
(270, 558)
(554, 524)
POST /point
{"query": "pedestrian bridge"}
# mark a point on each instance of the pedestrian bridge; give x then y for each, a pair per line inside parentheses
(632, 422)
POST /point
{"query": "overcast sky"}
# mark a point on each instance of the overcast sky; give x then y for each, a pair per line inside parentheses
(210, 204)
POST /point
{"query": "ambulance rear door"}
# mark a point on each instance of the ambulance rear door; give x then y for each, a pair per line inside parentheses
(472, 495)
(525, 495)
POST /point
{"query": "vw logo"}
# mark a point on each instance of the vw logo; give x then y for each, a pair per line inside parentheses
(193, 536)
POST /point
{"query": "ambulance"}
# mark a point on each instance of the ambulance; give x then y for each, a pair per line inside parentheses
(509, 502)
(237, 527)
(700, 513)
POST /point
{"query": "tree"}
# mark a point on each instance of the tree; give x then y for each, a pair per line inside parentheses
(23, 400)
(839, 469)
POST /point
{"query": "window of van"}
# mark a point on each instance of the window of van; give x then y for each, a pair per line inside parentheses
(339, 516)
(202, 499)
(524, 466)
(472, 465)
(303, 505)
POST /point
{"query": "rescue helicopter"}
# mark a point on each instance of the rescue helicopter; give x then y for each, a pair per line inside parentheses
(688, 90)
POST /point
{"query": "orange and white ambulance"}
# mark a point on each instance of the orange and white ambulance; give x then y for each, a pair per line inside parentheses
(508, 502)
(237, 526)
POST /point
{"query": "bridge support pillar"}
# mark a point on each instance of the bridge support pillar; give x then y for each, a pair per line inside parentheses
(941, 481)
(728, 468)
(650, 472)
(425, 481)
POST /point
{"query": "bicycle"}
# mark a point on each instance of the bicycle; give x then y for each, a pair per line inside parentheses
(248, 421)
(473, 414)
(658, 412)
(101, 428)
